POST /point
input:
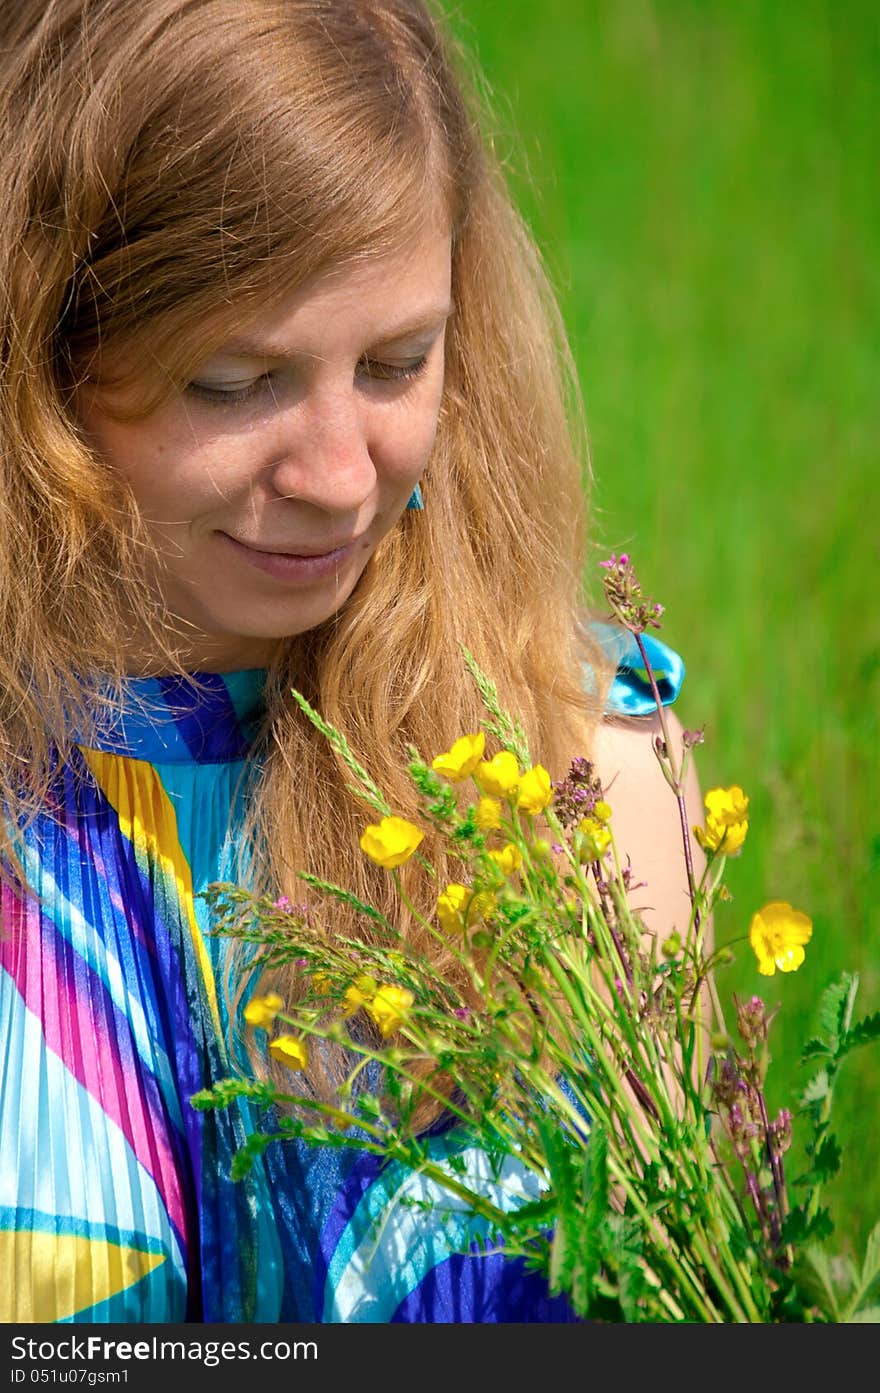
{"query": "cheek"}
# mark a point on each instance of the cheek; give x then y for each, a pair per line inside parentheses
(167, 474)
(406, 441)
(130, 448)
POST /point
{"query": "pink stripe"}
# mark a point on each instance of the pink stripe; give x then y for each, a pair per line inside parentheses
(82, 1034)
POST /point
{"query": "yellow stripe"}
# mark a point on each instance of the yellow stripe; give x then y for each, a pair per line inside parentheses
(50, 1276)
(159, 840)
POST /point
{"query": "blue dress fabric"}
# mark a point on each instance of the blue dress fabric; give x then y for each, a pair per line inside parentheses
(116, 1202)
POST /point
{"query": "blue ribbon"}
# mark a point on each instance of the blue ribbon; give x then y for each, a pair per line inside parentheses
(630, 692)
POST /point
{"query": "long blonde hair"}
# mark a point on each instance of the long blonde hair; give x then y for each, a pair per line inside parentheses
(164, 169)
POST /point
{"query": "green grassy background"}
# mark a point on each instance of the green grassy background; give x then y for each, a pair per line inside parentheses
(702, 178)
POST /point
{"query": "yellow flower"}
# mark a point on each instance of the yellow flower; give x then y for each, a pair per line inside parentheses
(727, 820)
(322, 983)
(262, 1010)
(451, 907)
(290, 1050)
(359, 994)
(510, 859)
(777, 933)
(390, 842)
(488, 814)
(602, 810)
(498, 776)
(460, 761)
(534, 791)
(596, 838)
(458, 903)
(390, 1007)
(482, 906)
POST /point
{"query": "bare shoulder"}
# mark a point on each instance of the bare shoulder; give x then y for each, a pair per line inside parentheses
(646, 820)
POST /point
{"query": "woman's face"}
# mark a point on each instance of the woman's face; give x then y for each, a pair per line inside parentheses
(268, 482)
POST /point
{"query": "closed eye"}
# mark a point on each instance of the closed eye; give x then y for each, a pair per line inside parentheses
(231, 393)
(392, 372)
(237, 393)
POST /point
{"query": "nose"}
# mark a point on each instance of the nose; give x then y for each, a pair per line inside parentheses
(320, 452)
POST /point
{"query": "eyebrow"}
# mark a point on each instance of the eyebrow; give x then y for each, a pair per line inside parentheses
(432, 319)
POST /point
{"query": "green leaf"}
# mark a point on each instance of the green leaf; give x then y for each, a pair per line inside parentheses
(865, 1279)
(868, 1315)
(580, 1182)
(537, 1212)
(871, 1265)
(814, 1048)
(628, 1258)
(816, 1092)
(863, 1033)
(595, 1174)
(797, 1229)
(826, 1161)
(225, 1091)
(834, 1006)
(250, 1152)
(816, 1275)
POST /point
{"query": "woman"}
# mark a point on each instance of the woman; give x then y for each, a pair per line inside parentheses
(285, 401)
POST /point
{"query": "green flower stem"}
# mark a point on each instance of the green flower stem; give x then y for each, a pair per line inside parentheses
(811, 1207)
(622, 1175)
(331, 1110)
(593, 1100)
(377, 1056)
(576, 1047)
(736, 1290)
(595, 1042)
(485, 1208)
(633, 1039)
(460, 954)
(701, 1175)
(668, 1255)
(709, 883)
(738, 1297)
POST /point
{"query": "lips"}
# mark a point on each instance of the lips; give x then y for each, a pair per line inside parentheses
(306, 567)
(296, 550)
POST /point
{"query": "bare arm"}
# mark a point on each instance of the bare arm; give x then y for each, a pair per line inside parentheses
(645, 818)
(647, 827)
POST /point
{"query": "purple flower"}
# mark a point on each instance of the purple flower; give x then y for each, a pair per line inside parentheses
(780, 1132)
(576, 795)
(624, 594)
(751, 1021)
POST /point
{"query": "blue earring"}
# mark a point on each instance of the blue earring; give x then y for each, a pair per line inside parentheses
(416, 500)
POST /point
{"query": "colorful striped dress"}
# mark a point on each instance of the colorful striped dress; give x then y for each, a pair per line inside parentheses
(116, 1203)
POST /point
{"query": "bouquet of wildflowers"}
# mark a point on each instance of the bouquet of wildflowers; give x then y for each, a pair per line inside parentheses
(592, 1057)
